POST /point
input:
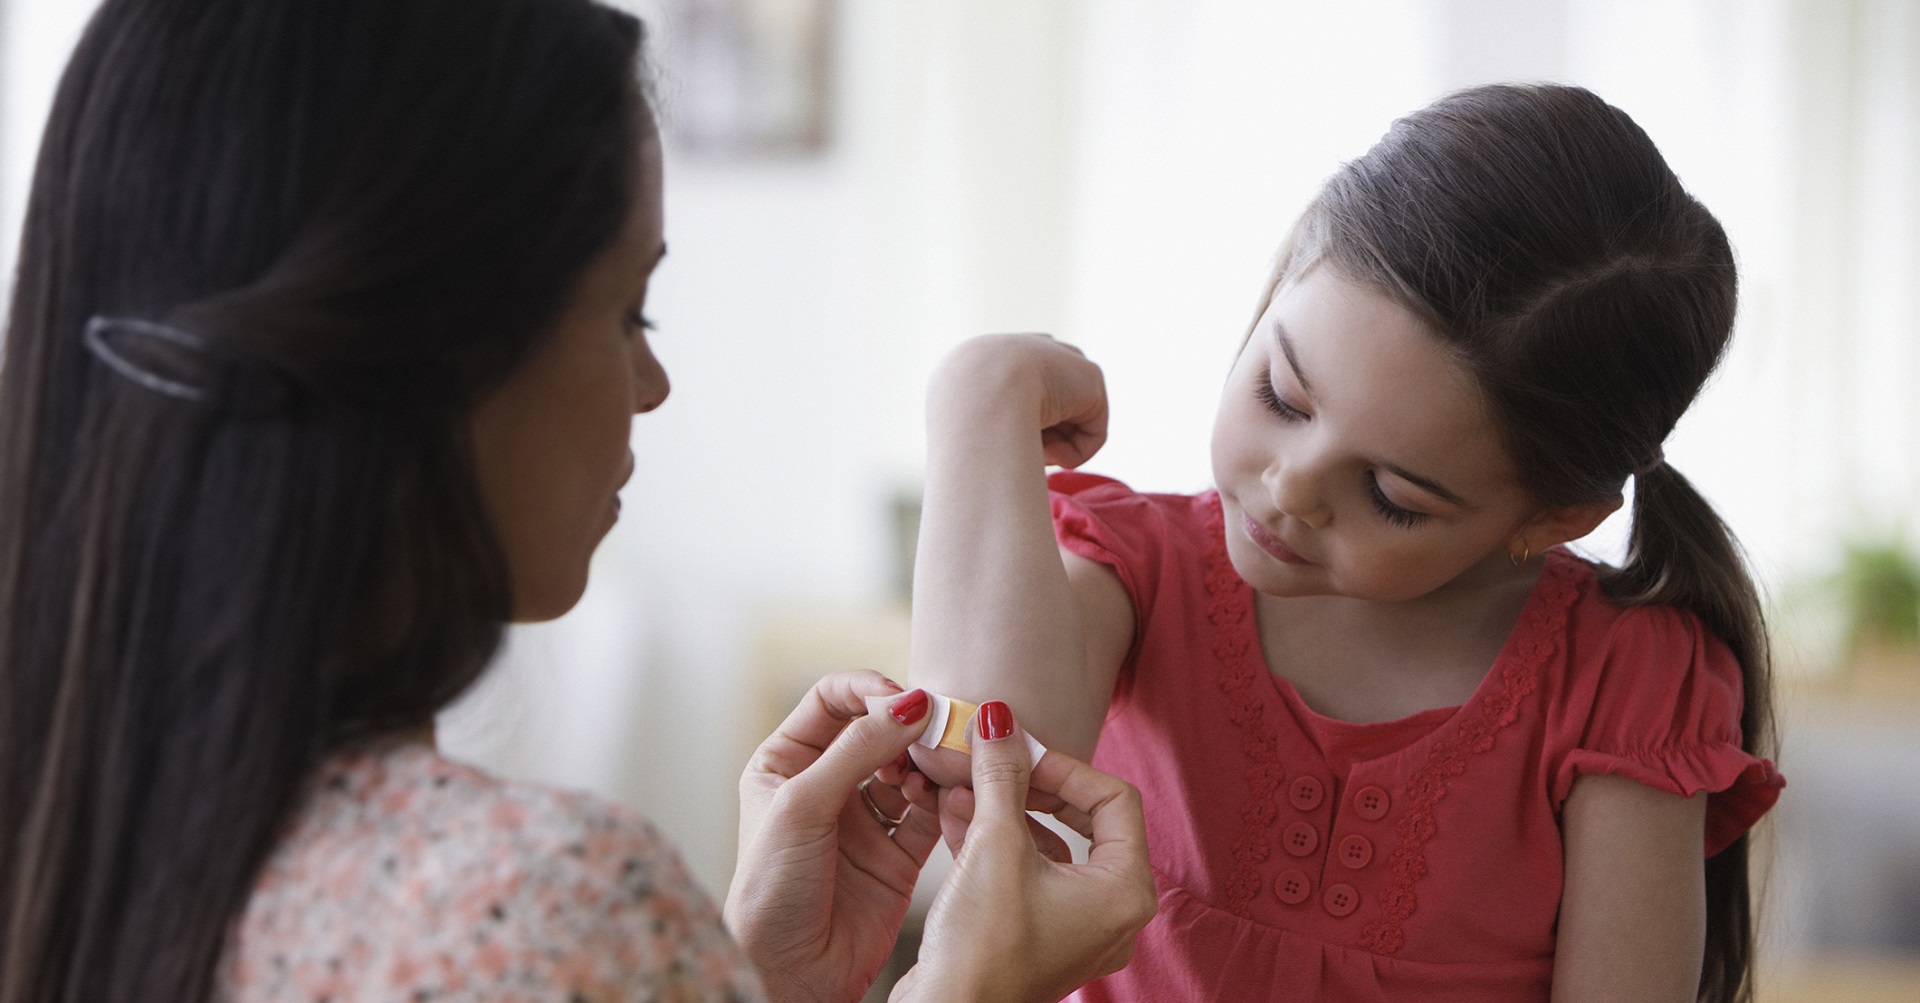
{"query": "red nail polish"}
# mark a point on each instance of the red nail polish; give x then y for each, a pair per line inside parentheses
(996, 720)
(909, 709)
(903, 763)
(891, 685)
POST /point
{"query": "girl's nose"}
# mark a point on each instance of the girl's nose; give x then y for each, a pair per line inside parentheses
(650, 385)
(1295, 487)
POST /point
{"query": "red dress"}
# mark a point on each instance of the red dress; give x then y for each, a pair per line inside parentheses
(1299, 857)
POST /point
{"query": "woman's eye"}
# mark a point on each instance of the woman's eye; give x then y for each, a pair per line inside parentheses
(1263, 389)
(637, 321)
(1405, 518)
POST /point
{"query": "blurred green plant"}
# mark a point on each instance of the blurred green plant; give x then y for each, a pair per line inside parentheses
(1880, 586)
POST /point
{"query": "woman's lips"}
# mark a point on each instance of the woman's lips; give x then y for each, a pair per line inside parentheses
(1270, 543)
(614, 501)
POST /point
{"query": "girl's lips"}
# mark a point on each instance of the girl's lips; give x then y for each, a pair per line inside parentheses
(1270, 543)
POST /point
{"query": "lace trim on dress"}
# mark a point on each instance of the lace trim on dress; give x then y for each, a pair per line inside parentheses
(1241, 675)
(1536, 640)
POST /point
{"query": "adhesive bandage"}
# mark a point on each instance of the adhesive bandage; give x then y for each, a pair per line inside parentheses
(947, 724)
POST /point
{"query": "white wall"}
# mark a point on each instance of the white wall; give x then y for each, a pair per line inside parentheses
(35, 37)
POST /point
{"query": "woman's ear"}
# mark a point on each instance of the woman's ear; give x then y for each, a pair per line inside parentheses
(1552, 527)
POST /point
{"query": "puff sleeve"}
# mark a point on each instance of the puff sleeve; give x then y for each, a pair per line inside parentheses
(1662, 707)
(1103, 520)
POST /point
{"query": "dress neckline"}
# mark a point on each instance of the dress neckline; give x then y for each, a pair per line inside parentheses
(1425, 765)
(1532, 619)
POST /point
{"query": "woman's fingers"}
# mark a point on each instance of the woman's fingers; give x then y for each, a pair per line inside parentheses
(956, 813)
(832, 703)
(1075, 819)
(865, 744)
(1112, 810)
(1048, 842)
(1000, 768)
(1068, 923)
(918, 834)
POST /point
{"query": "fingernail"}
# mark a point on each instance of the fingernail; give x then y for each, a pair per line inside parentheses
(903, 764)
(909, 709)
(895, 687)
(996, 720)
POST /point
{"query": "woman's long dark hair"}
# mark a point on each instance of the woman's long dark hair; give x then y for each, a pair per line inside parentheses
(372, 210)
(1539, 232)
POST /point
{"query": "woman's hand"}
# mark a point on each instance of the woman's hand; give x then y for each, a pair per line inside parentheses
(822, 885)
(1011, 924)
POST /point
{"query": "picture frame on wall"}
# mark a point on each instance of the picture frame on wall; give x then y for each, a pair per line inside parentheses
(750, 77)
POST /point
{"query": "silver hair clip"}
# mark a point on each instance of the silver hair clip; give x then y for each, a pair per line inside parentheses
(189, 366)
(102, 332)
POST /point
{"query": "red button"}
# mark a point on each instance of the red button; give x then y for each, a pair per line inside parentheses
(1341, 899)
(1371, 803)
(1356, 851)
(1306, 793)
(1293, 887)
(1300, 839)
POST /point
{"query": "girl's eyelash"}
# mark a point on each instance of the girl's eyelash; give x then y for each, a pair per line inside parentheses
(1405, 518)
(1263, 389)
(640, 320)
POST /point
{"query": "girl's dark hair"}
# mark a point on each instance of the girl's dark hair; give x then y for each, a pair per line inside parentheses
(1542, 236)
(371, 210)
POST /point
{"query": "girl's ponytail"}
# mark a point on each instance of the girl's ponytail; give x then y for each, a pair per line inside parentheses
(1681, 554)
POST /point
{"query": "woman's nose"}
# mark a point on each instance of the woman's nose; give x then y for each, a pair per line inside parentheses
(650, 384)
(1295, 486)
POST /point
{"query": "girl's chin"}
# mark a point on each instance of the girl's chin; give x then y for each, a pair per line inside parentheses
(1268, 576)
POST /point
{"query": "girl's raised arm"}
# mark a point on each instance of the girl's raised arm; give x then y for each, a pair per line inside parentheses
(996, 614)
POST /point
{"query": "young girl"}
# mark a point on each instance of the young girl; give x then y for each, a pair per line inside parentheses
(1393, 740)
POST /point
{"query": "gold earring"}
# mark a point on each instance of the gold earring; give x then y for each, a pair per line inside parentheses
(1526, 551)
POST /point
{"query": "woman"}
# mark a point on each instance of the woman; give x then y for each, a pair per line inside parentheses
(319, 369)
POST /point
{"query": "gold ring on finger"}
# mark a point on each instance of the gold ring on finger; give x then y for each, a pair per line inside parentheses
(874, 809)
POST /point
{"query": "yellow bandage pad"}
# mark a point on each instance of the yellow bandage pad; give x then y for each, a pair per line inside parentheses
(959, 712)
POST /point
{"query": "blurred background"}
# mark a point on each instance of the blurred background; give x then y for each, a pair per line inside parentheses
(854, 186)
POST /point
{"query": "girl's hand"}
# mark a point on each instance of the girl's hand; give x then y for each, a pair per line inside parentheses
(1011, 924)
(822, 885)
(1030, 378)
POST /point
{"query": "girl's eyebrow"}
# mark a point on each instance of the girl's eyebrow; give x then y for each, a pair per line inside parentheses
(1432, 486)
(1293, 361)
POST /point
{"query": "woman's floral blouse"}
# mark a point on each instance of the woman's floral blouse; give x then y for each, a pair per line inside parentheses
(408, 877)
